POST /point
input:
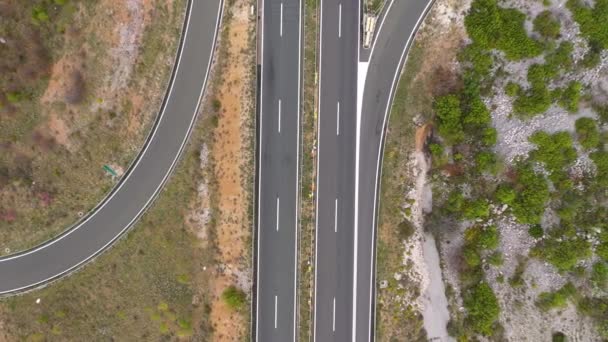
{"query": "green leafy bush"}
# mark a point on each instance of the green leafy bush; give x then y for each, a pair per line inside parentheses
(536, 231)
(486, 162)
(571, 96)
(600, 158)
(235, 298)
(493, 27)
(476, 209)
(405, 229)
(512, 89)
(599, 274)
(593, 57)
(592, 21)
(554, 150)
(563, 253)
(559, 59)
(455, 202)
(495, 259)
(546, 25)
(532, 194)
(476, 114)
(505, 194)
(588, 133)
(478, 60)
(471, 256)
(447, 109)
(482, 309)
(489, 136)
(555, 300)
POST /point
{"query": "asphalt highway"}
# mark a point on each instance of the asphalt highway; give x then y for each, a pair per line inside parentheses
(144, 179)
(336, 137)
(278, 170)
(386, 61)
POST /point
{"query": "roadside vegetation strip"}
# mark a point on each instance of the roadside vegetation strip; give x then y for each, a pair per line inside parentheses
(51, 167)
(308, 176)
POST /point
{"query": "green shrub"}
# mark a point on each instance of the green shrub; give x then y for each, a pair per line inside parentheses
(602, 251)
(482, 309)
(554, 150)
(571, 96)
(517, 279)
(493, 27)
(533, 192)
(593, 57)
(599, 274)
(39, 14)
(476, 59)
(563, 253)
(235, 298)
(546, 25)
(558, 337)
(505, 194)
(471, 256)
(600, 158)
(481, 238)
(14, 96)
(447, 109)
(556, 300)
(559, 59)
(512, 89)
(476, 209)
(495, 259)
(536, 231)
(489, 136)
(486, 162)
(592, 21)
(588, 133)
(476, 114)
(455, 202)
(405, 229)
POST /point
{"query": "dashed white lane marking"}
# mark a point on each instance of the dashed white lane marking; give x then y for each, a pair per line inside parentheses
(338, 119)
(279, 115)
(340, 21)
(281, 27)
(275, 311)
(278, 209)
(336, 216)
(334, 316)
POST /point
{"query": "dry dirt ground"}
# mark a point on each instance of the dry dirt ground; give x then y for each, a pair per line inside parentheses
(230, 157)
(87, 107)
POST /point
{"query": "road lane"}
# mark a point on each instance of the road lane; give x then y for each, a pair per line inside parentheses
(386, 62)
(279, 132)
(336, 170)
(142, 182)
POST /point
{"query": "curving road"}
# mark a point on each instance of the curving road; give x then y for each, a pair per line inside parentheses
(146, 176)
(387, 58)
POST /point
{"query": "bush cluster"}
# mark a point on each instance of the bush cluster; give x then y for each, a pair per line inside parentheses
(600, 158)
(493, 27)
(482, 309)
(557, 299)
(532, 194)
(546, 25)
(235, 298)
(592, 21)
(570, 96)
(555, 151)
(587, 132)
(563, 249)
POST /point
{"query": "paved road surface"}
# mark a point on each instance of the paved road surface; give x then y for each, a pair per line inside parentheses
(279, 132)
(386, 61)
(141, 184)
(336, 170)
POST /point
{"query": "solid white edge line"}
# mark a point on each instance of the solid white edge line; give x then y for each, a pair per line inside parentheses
(380, 30)
(34, 285)
(320, 78)
(276, 300)
(340, 22)
(400, 66)
(338, 119)
(281, 25)
(333, 323)
(278, 209)
(357, 152)
(259, 241)
(279, 115)
(297, 211)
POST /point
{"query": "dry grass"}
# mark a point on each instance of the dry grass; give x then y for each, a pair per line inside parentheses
(71, 100)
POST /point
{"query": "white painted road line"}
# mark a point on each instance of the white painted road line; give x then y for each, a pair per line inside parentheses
(336, 216)
(278, 208)
(281, 28)
(334, 316)
(279, 115)
(338, 120)
(340, 20)
(275, 311)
